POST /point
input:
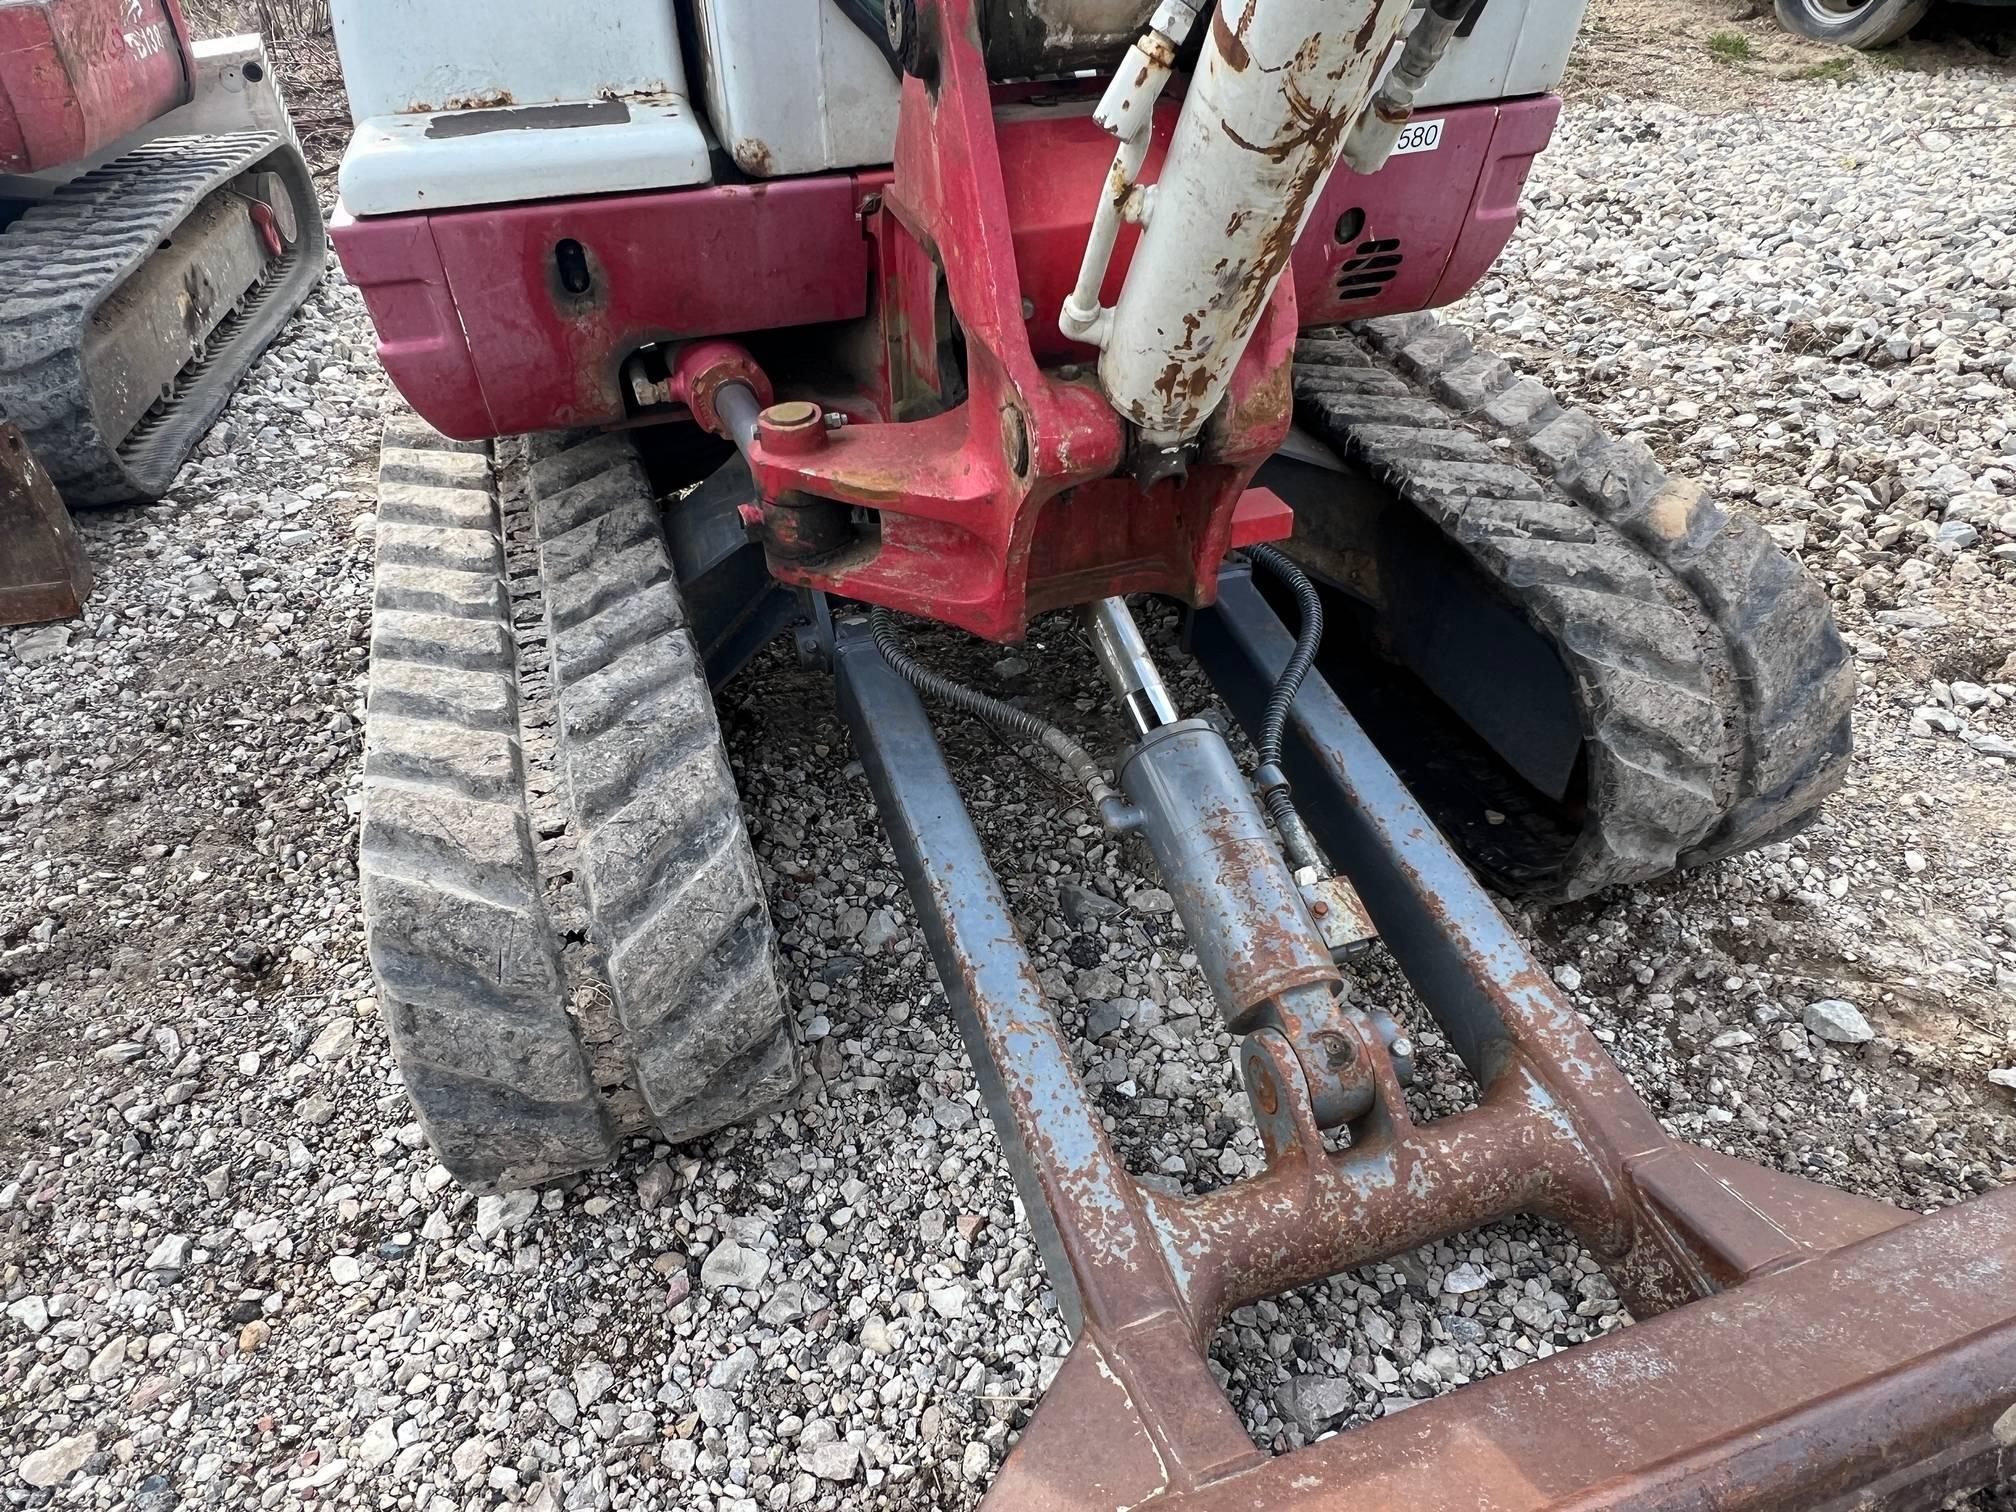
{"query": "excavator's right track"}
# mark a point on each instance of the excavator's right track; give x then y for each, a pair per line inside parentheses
(1713, 688)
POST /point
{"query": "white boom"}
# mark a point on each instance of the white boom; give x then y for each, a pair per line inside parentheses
(1279, 85)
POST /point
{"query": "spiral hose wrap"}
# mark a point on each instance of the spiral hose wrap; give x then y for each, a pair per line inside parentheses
(1280, 805)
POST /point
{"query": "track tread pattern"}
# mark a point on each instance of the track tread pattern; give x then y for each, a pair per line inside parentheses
(60, 261)
(467, 963)
(1715, 688)
(675, 900)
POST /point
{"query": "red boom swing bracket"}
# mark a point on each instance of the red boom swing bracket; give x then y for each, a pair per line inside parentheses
(1004, 502)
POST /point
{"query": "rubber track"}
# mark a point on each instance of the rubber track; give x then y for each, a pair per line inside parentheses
(1714, 686)
(59, 262)
(468, 968)
(674, 897)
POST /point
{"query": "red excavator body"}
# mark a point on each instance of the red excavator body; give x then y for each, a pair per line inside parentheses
(77, 75)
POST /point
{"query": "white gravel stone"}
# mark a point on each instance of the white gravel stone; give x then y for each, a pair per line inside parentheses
(55, 1464)
(170, 1256)
(471, 1457)
(733, 1371)
(1464, 1279)
(731, 1264)
(947, 1301)
(976, 1464)
(378, 1444)
(498, 1214)
(1839, 1021)
(835, 1461)
(592, 1381)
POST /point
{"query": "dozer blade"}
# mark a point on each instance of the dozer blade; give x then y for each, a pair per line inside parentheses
(43, 572)
(134, 299)
(1798, 1347)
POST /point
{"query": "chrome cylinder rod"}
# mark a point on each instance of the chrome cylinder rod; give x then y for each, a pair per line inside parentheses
(1116, 640)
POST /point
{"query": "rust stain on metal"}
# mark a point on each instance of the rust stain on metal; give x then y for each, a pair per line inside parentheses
(1175, 385)
(44, 574)
(489, 99)
(1265, 405)
(1118, 185)
(1318, 135)
(1265, 1093)
(1230, 46)
(754, 157)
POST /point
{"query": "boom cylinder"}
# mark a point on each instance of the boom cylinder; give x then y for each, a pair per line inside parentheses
(1243, 916)
(1277, 87)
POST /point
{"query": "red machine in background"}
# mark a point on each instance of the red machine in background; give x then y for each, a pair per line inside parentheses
(157, 227)
(77, 75)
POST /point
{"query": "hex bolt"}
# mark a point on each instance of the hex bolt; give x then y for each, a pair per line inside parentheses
(1337, 1048)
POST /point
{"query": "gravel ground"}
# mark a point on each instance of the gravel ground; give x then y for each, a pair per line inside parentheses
(232, 1273)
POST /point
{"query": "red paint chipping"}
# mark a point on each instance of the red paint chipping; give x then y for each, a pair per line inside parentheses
(76, 75)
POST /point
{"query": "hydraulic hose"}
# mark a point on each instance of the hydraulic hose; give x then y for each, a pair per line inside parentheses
(882, 627)
(1273, 783)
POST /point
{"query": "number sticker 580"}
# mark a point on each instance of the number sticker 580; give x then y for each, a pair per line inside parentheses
(1419, 136)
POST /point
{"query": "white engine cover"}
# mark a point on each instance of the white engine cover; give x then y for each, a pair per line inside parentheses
(469, 102)
(1520, 47)
(421, 57)
(794, 87)
(791, 87)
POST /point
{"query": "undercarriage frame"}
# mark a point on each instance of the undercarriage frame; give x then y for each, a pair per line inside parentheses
(1802, 1347)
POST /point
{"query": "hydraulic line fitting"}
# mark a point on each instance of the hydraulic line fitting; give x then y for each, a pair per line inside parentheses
(1377, 130)
(1127, 111)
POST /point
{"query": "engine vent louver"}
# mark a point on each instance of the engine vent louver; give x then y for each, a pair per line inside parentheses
(1370, 269)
